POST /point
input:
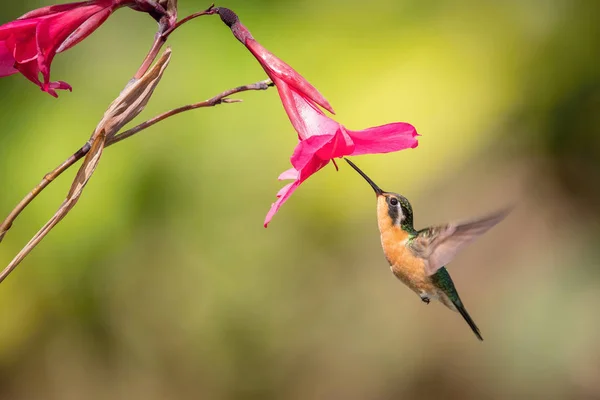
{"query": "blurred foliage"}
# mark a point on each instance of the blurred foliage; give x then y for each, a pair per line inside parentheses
(162, 282)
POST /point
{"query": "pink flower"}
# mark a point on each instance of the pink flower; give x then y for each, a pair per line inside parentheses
(29, 44)
(321, 138)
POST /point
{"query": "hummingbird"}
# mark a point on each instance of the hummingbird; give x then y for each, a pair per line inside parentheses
(419, 257)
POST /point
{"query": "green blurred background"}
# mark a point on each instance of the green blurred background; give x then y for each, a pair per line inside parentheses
(163, 284)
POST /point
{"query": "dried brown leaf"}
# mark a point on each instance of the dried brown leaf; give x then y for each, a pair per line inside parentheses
(171, 7)
(127, 106)
(133, 99)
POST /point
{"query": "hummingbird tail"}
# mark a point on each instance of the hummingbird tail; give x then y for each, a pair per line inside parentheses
(463, 311)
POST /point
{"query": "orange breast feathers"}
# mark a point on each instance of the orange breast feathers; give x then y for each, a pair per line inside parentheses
(407, 267)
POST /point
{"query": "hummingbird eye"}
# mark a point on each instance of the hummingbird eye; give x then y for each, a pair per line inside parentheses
(394, 201)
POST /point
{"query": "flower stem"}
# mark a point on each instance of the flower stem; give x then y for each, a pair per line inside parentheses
(161, 38)
(209, 11)
(216, 100)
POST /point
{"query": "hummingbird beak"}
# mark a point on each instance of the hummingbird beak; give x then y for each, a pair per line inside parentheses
(376, 188)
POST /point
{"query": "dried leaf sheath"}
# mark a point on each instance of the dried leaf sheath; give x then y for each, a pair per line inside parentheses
(127, 106)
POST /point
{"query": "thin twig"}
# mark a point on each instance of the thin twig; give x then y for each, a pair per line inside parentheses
(209, 11)
(161, 37)
(79, 154)
(218, 99)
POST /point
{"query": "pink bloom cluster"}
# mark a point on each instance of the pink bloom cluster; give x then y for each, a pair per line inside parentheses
(29, 44)
(321, 138)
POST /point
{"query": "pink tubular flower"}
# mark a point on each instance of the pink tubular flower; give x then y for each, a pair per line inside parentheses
(321, 138)
(28, 44)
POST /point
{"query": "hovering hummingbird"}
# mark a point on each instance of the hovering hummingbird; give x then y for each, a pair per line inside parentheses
(418, 258)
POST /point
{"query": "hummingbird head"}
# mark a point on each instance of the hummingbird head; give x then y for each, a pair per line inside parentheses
(393, 209)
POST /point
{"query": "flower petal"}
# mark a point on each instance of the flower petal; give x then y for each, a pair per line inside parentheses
(34, 39)
(307, 149)
(53, 31)
(58, 8)
(310, 166)
(291, 173)
(85, 29)
(276, 68)
(7, 62)
(282, 196)
(384, 138)
(61, 85)
(340, 145)
(306, 118)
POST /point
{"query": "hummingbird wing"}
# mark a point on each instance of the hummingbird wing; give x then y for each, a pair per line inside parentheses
(438, 245)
